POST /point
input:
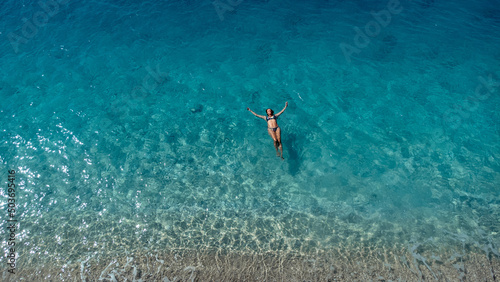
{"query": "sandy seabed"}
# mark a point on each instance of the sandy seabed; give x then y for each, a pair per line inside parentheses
(359, 264)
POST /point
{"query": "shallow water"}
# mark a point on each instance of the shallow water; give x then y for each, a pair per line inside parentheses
(127, 129)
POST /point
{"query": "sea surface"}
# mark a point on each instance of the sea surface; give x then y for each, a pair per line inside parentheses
(127, 128)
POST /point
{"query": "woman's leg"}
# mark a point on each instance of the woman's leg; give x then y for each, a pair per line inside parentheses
(273, 135)
(278, 138)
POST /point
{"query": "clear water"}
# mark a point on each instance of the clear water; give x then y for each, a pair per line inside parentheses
(127, 125)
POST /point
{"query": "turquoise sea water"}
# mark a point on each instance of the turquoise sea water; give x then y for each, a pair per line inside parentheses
(127, 127)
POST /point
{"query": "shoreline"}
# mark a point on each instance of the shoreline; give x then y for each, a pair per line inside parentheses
(220, 248)
(358, 264)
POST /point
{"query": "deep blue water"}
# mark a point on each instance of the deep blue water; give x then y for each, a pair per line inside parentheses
(126, 121)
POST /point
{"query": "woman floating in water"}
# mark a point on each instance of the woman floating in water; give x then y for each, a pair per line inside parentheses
(272, 128)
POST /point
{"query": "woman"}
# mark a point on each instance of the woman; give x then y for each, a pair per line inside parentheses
(272, 128)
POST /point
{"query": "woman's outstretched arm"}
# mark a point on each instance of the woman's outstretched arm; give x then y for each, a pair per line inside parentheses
(278, 114)
(263, 117)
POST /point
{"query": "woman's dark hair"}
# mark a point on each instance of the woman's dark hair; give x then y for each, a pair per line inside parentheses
(272, 112)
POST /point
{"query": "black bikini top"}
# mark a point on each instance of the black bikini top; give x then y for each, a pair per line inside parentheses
(273, 117)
